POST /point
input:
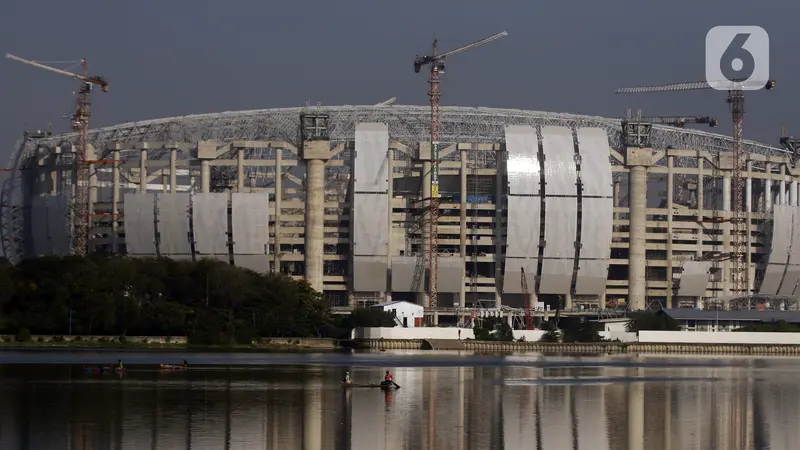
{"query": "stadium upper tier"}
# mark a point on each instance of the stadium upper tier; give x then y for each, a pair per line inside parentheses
(411, 123)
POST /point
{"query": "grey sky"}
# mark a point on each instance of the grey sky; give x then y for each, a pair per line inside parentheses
(175, 57)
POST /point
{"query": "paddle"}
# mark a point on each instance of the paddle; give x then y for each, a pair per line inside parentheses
(396, 385)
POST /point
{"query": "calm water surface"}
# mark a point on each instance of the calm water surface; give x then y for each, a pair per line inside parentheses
(447, 401)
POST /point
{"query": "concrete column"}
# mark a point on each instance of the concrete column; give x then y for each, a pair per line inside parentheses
(240, 170)
(768, 189)
(164, 181)
(637, 257)
(205, 176)
(749, 220)
(797, 192)
(390, 220)
(462, 296)
(793, 193)
(670, 206)
(782, 187)
(499, 207)
(143, 171)
(726, 233)
(726, 192)
(423, 298)
(173, 170)
(314, 230)
(276, 247)
(115, 175)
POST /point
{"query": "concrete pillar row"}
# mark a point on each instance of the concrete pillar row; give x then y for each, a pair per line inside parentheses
(638, 160)
(143, 171)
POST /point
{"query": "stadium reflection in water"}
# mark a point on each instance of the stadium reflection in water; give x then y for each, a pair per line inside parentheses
(747, 404)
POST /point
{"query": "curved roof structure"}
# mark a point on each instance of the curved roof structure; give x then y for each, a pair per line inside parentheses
(408, 124)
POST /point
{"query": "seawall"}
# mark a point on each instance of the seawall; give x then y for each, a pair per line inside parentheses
(577, 348)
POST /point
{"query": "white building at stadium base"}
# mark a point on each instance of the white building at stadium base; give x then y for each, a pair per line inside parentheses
(594, 223)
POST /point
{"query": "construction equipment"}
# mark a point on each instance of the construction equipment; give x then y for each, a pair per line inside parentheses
(739, 272)
(436, 62)
(80, 123)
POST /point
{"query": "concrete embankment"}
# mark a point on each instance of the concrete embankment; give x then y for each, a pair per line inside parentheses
(612, 347)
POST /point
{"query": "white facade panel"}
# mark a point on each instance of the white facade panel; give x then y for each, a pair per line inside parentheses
(140, 230)
(210, 223)
(250, 223)
(369, 273)
(524, 216)
(522, 167)
(409, 274)
(794, 251)
(772, 279)
(596, 232)
(173, 224)
(371, 160)
(560, 173)
(560, 231)
(370, 215)
(781, 234)
(512, 275)
(556, 276)
(594, 148)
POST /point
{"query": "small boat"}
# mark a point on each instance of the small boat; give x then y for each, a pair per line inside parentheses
(172, 367)
(376, 385)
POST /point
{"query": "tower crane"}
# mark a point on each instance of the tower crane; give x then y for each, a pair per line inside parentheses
(524, 288)
(436, 62)
(80, 123)
(735, 99)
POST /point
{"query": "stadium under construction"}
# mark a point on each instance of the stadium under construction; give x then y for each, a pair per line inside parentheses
(536, 209)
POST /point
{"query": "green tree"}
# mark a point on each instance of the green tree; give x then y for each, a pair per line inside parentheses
(493, 329)
(649, 320)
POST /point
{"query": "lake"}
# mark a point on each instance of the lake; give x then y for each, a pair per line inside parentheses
(447, 400)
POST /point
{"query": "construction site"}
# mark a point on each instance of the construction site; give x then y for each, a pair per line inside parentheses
(467, 211)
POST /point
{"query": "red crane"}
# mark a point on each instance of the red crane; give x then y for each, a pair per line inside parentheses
(735, 99)
(436, 62)
(80, 123)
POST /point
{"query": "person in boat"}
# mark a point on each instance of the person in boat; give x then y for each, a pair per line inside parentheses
(347, 379)
(185, 365)
(387, 379)
(119, 365)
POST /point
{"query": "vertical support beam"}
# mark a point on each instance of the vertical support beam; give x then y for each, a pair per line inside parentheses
(276, 247)
(749, 220)
(173, 170)
(423, 298)
(768, 189)
(143, 171)
(638, 160)
(389, 222)
(92, 200)
(314, 229)
(315, 152)
(670, 207)
(792, 192)
(726, 232)
(205, 176)
(782, 186)
(115, 176)
(701, 163)
(499, 207)
(462, 239)
(240, 170)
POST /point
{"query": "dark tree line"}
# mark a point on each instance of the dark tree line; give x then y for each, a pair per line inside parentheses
(211, 302)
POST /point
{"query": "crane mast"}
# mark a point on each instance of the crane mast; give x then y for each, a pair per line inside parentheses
(80, 123)
(436, 62)
(739, 272)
